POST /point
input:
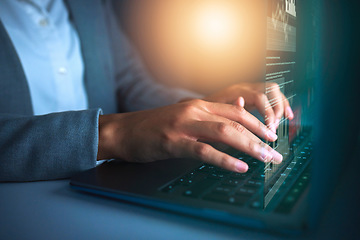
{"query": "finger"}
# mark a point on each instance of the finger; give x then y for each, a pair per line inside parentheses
(288, 111)
(277, 159)
(236, 136)
(264, 107)
(240, 101)
(208, 154)
(240, 115)
(248, 133)
(277, 102)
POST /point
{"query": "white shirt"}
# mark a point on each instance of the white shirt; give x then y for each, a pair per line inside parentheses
(49, 50)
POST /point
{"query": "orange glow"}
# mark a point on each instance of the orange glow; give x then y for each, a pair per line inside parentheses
(215, 23)
(203, 45)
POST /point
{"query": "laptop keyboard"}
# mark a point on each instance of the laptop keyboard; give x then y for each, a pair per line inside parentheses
(214, 184)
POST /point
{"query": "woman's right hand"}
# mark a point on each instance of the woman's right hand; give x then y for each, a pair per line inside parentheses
(181, 130)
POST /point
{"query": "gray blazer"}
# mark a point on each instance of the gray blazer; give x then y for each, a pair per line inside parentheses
(59, 145)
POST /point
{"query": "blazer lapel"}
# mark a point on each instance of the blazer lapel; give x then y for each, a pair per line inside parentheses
(89, 21)
(14, 90)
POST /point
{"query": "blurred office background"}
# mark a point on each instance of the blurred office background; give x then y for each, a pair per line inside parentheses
(183, 43)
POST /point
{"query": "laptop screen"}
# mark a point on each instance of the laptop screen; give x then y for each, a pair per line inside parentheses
(289, 64)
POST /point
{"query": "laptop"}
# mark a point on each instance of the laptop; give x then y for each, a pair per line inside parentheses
(271, 197)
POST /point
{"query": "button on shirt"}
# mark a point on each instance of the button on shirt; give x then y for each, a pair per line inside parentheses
(49, 50)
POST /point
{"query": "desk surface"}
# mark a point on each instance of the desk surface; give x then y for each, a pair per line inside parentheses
(52, 210)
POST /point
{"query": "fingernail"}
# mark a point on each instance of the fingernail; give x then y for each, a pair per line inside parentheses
(277, 123)
(273, 129)
(266, 156)
(271, 126)
(242, 102)
(271, 135)
(241, 167)
(277, 157)
(289, 113)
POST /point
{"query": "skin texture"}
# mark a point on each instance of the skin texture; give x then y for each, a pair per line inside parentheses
(185, 128)
(255, 98)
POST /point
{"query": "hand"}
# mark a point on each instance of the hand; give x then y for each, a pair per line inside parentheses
(266, 98)
(181, 130)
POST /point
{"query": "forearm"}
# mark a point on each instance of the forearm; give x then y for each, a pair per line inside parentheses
(47, 147)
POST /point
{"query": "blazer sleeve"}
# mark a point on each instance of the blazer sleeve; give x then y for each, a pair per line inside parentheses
(136, 89)
(52, 146)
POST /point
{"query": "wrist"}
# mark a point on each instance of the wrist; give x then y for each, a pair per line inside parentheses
(186, 99)
(107, 128)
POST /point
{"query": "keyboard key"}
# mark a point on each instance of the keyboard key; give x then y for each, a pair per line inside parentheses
(252, 168)
(246, 191)
(168, 188)
(256, 204)
(215, 184)
(191, 178)
(197, 189)
(291, 198)
(231, 182)
(216, 176)
(258, 177)
(187, 182)
(239, 176)
(227, 199)
(201, 168)
(253, 184)
(222, 190)
(222, 172)
(205, 168)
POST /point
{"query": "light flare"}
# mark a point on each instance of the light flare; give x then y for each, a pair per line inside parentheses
(215, 23)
